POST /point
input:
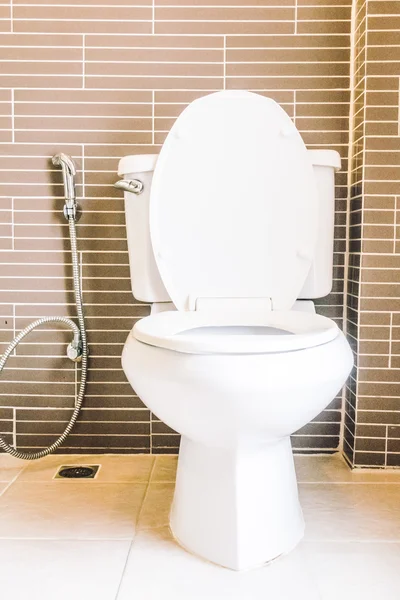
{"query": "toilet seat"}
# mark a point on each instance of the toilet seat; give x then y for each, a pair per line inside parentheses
(233, 203)
(206, 332)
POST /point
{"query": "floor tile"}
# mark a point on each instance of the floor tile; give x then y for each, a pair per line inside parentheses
(156, 506)
(3, 486)
(45, 570)
(360, 571)
(119, 468)
(351, 512)
(334, 469)
(10, 467)
(74, 511)
(165, 468)
(158, 567)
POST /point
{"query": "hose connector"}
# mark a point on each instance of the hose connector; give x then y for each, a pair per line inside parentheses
(75, 349)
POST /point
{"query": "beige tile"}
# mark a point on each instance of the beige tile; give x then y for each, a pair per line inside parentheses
(10, 467)
(82, 19)
(359, 571)
(155, 69)
(117, 468)
(71, 66)
(351, 512)
(136, 83)
(43, 570)
(165, 468)
(156, 506)
(334, 469)
(155, 41)
(3, 486)
(75, 511)
(27, 81)
(182, 576)
(107, 54)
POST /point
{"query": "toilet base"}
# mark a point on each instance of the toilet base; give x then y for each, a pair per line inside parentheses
(237, 507)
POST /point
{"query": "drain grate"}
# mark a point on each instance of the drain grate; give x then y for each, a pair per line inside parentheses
(77, 472)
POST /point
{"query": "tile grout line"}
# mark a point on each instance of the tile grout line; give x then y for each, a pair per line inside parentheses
(151, 433)
(295, 16)
(153, 17)
(14, 427)
(153, 95)
(83, 59)
(136, 524)
(9, 485)
(386, 443)
(83, 174)
(12, 117)
(14, 353)
(224, 62)
(81, 270)
(11, 16)
(76, 381)
(398, 111)
(12, 225)
(294, 107)
(390, 340)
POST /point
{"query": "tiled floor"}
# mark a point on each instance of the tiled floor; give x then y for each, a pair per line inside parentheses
(108, 539)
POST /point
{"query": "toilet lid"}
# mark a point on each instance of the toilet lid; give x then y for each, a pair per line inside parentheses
(233, 204)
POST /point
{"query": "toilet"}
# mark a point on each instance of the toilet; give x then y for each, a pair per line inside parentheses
(230, 237)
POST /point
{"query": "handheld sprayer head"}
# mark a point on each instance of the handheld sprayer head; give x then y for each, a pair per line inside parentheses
(69, 172)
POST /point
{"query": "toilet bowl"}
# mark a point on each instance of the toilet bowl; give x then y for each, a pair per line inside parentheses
(234, 239)
(236, 395)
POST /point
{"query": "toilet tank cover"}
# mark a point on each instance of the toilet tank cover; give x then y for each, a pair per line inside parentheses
(233, 204)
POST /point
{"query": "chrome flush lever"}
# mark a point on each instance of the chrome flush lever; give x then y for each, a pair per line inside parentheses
(135, 186)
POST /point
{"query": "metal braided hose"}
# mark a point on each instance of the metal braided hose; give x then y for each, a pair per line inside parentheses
(78, 348)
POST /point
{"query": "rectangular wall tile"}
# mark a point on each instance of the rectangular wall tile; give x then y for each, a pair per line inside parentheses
(99, 81)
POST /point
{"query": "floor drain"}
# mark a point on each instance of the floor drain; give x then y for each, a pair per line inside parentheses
(77, 472)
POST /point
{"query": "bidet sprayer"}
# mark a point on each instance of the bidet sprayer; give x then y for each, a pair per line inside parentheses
(68, 172)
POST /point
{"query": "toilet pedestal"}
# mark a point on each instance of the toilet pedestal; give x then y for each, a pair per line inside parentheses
(237, 507)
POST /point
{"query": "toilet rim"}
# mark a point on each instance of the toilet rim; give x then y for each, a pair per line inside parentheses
(207, 332)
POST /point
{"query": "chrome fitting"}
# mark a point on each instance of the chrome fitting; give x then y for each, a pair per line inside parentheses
(74, 349)
(135, 186)
(69, 211)
(69, 171)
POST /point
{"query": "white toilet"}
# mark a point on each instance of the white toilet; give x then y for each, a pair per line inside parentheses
(230, 238)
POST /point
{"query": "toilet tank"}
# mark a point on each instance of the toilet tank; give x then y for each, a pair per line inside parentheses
(319, 279)
(146, 282)
(147, 285)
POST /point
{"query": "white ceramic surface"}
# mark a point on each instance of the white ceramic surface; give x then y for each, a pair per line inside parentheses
(235, 410)
(226, 220)
(146, 280)
(233, 225)
(244, 331)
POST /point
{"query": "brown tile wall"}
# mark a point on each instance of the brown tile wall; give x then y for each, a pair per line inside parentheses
(99, 81)
(372, 419)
